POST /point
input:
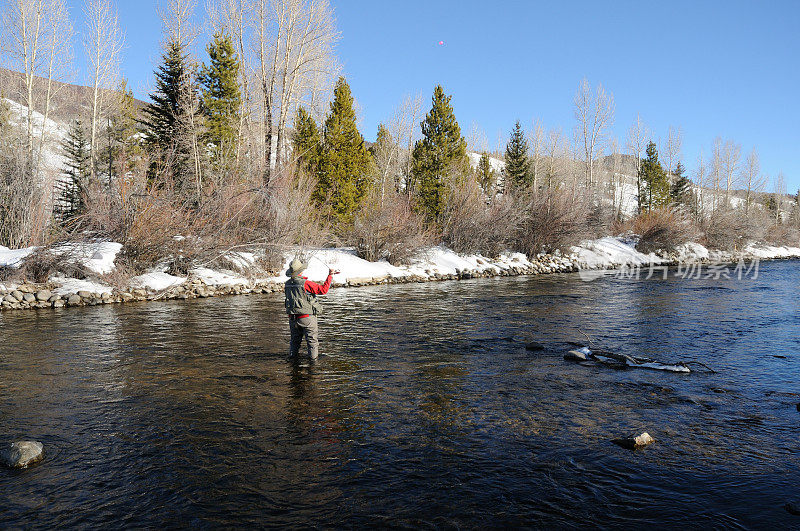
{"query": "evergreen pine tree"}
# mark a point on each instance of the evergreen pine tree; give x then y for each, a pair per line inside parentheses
(655, 185)
(172, 118)
(441, 153)
(681, 189)
(71, 189)
(345, 165)
(517, 170)
(485, 175)
(126, 131)
(222, 99)
(306, 142)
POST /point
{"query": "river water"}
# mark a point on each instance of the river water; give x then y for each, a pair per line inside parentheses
(425, 409)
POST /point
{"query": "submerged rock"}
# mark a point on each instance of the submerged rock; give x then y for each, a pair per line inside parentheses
(21, 454)
(634, 442)
(576, 355)
(533, 345)
(792, 508)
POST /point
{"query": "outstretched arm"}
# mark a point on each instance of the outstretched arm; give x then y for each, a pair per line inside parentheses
(317, 289)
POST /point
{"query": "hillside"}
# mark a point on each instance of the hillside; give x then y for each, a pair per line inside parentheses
(69, 101)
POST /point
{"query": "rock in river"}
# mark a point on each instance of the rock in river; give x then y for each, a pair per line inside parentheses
(792, 508)
(576, 355)
(21, 454)
(634, 442)
(533, 345)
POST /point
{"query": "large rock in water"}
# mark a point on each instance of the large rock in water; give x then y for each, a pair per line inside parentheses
(21, 454)
(634, 442)
(533, 345)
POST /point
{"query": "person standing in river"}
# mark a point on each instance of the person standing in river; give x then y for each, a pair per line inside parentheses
(303, 308)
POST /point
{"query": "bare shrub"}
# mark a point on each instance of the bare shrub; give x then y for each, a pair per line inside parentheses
(158, 223)
(782, 234)
(473, 224)
(43, 263)
(388, 228)
(554, 218)
(728, 229)
(661, 229)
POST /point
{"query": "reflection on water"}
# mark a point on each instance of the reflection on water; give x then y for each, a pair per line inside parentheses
(425, 410)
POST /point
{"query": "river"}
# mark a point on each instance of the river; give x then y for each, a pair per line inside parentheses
(425, 410)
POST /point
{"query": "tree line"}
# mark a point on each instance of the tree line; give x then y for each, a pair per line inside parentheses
(257, 145)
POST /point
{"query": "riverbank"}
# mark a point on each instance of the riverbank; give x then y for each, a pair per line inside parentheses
(434, 264)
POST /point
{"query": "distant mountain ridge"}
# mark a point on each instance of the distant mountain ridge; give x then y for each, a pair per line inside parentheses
(69, 101)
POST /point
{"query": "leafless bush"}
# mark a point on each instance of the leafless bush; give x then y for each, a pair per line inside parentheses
(43, 263)
(782, 234)
(158, 223)
(473, 224)
(728, 229)
(554, 218)
(388, 228)
(23, 217)
(661, 229)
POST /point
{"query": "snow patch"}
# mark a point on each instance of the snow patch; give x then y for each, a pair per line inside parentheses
(12, 257)
(218, 278)
(68, 286)
(610, 252)
(156, 281)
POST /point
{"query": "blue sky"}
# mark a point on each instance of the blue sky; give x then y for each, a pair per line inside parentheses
(714, 68)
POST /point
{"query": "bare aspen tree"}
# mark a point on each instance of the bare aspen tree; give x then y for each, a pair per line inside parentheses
(716, 173)
(779, 188)
(751, 179)
(595, 115)
(701, 178)
(477, 141)
(556, 158)
(638, 135)
(731, 155)
(38, 36)
(103, 45)
(536, 144)
(294, 42)
(401, 130)
(176, 22)
(672, 153)
(307, 47)
(616, 184)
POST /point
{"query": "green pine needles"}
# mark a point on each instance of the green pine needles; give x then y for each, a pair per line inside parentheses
(345, 164)
(441, 155)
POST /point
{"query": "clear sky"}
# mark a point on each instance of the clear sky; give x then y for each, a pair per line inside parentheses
(715, 68)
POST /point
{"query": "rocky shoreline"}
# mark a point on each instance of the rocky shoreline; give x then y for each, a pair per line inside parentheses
(28, 296)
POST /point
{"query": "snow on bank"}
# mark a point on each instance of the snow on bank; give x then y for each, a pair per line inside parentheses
(68, 286)
(770, 251)
(610, 252)
(156, 281)
(592, 257)
(97, 257)
(436, 260)
(12, 257)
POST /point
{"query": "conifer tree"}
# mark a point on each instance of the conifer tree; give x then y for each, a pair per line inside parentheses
(172, 119)
(126, 131)
(71, 190)
(655, 185)
(485, 175)
(345, 165)
(681, 189)
(306, 142)
(441, 153)
(222, 99)
(517, 170)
